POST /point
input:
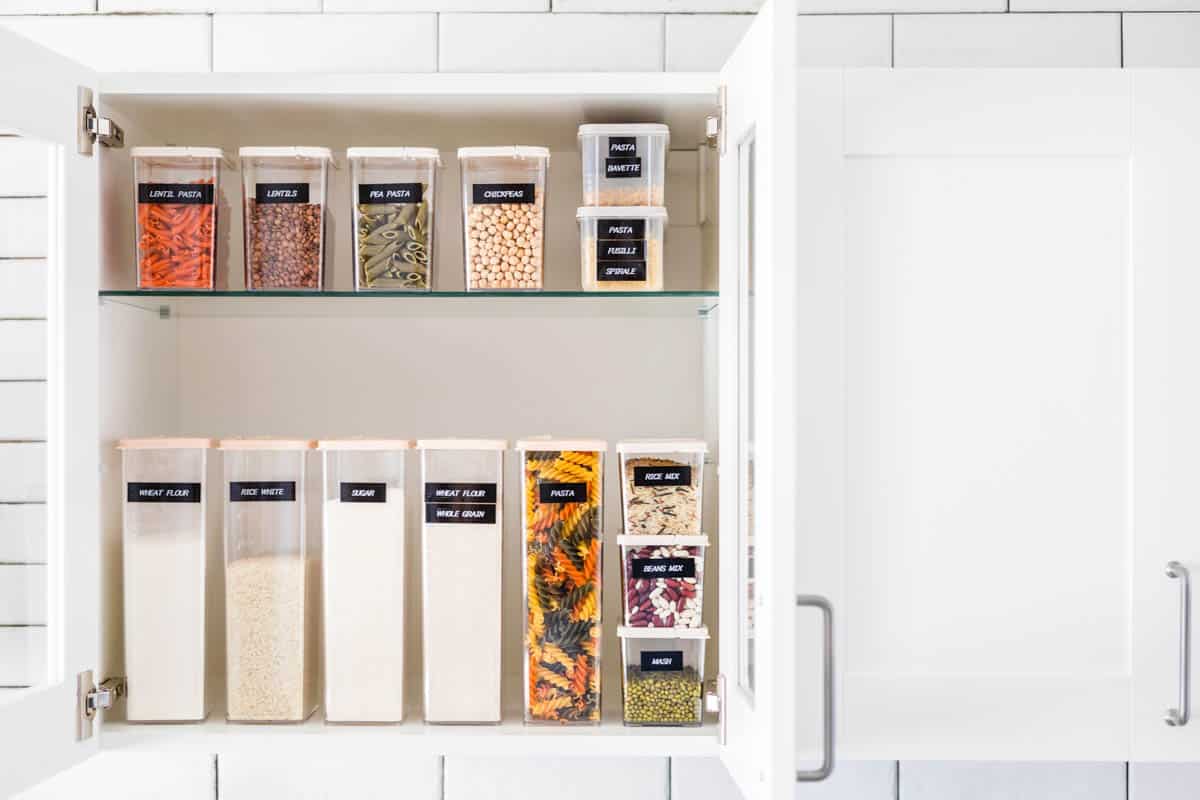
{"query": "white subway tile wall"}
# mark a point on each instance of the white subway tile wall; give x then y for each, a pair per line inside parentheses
(1010, 40)
(1162, 40)
(550, 42)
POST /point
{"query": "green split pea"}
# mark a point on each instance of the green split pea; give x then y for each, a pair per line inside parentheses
(662, 698)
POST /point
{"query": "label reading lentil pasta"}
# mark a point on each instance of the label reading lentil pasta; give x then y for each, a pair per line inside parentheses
(176, 193)
(492, 193)
(562, 492)
(363, 492)
(281, 192)
(262, 491)
(162, 492)
(390, 192)
(662, 660)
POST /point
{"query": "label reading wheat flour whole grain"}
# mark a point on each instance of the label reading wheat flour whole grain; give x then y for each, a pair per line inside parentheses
(460, 493)
(369, 193)
(281, 192)
(199, 194)
(262, 491)
(460, 513)
(562, 492)
(662, 568)
(662, 660)
(363, 492)
(662, 476)
(491, 193)
(162, 492)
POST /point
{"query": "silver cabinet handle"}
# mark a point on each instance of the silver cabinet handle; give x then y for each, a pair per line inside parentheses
(826, 768)
(1178, 717)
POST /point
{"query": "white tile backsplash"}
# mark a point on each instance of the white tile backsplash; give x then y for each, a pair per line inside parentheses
(125, 43)
(1010, 40)
(1162, 40)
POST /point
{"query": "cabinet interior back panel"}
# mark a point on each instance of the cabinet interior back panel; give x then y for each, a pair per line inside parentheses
(988, 524)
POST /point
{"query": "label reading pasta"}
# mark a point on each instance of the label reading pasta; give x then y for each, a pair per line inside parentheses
(621, 229)
(562, 492)
(363, 492)
(281, 192)
(502, 193)
(262, 491)
(162, 492)
(662, 476)
(622, 146)
(176, 193)
(460, 513)
(662, 568)
(390, 192)
(622, 168)
(460, 492)
(662, 660)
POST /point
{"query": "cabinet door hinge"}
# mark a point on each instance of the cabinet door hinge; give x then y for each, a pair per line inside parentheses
(92, 699)
(714, 703)
(714, 125)
(95, 128)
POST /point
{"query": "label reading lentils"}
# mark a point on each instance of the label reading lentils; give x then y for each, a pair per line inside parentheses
(662, 476)
(620, 270)
(262, 491)
(502, 193)
(562, 492)
(460, 493)
(200, 194)
(460, 513)
(162, 492)
(364, 492)
(662, 660)
(621, 229)
(622, 168)
(390, 192)
(662, 568)
(281, 192)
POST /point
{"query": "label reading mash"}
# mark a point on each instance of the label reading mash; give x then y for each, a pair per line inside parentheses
(662, 476)
(620, 270)
(460, 493)
(662, 660)
(281, 192)
(461, 513)
(162, 492)
(364, 492)
(562, 492)
(620, 229)
(176, 193)
(632, 250)
(622, 168)
(662, 568)
(502, 192)
(622, 146)
(262, 491)
(390, 192)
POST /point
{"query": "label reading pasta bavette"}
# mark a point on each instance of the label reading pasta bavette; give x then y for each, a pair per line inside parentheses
(176, 193)
(162, 492)
(662, 660)
(562, 492)
(662, 476)
(662, 568)
(363, 492)
(281, 192)
(461, 513)
(262, 491)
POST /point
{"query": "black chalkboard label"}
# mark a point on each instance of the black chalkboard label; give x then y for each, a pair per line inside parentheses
(162, 492)
(620, 229)
(200, 194)
(262, 491)
(632, 250)
(281, 192)
(622, 168)
(622, 146)
(620, 270)
(502, 193)
(460, 493)
(364, 492)
(390, 192)
(662, 660)
(460, 513)
(662, 568)
(562, 492)
(662, 476)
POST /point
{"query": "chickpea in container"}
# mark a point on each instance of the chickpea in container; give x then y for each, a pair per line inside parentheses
(504, 216)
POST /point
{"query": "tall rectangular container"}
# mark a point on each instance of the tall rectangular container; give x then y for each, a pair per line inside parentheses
(662, 483)
(393, 193)
(177, 190)
(504, 216)
(283, 191)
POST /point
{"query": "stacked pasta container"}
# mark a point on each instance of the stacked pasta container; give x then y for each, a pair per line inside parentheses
(662, 559)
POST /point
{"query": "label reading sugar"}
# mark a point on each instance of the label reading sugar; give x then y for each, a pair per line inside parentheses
(662, 660)
(390, 192)
(364, 492)
(502, 193)
(615, 251)
(460, 493)
(620, 270)
(176, 193)
(662, 568)
(460, 513)
(281, 192)
(622, 146)
(622, 168)
(162, 492)
(262, 491)
(662, 476)
(562, 492)
(620, 229)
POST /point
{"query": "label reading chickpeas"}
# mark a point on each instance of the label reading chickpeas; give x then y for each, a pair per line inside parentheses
(281, 192)
(492, 193)
(662, 660)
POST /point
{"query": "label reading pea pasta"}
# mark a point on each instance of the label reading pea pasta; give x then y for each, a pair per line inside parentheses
(460, 492)
(562, 492)
(460, 513)
(622, 168)
(662, 568)
(662, 476)
(621, 229)
(200, 194)
(502, 193)
(390, 192)
(262, 491)
(281, 192)
(363, 492)
(162, 492)
(662, 660)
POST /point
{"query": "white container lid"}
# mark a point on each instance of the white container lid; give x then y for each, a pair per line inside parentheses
(514, 151)
(266, 444)
(562, 444)
(462, 444)
(322, 153)
(624, 129)
(622, 212)
(652, 446)
(364, 444)
(651, 541)
(176, 152)
(164, 443)
(629, 632)
(413, 153)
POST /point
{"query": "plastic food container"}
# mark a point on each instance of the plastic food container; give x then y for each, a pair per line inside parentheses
(284, 197)
(362, 565)
(624, 165)
(661, 486)
(663, 676)
(177, 190)
(462, 484)
(504, 215)
(393, 194)
(165, 527)
(663, 580)
(621, 248)
(563, 487)
(272, 577)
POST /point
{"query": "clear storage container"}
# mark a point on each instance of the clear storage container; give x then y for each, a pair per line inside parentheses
(462, 488)
(272, 580)
(284, 220)
(624, 165)
(393, 195)
(663, 580)
(661, 486)
(164, 534)
(362, 563)
(504, 216)
(563, 491)
(176, 228)
(663, 676)
(621, 248)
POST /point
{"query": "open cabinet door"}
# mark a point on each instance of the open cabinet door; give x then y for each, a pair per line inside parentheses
(758, 627)
(40, 730)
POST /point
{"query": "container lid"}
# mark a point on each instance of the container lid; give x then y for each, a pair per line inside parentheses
(266, 444)
(547, 443)
(622, 212)
(322, 153)
(364, 444)
(634, 540)
(176, 152)
(164, 443)
(414, 153)
(651, 446)
(515, 151)
(625, 129)
(628, 632)
(462, 444)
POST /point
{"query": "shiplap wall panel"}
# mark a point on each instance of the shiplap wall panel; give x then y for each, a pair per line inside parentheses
(22, 288)
(23, 473)
(24, 227)
(22, 594)
(22, 533)
(24, 167)
(22, 656)
(22, 350)
(23, 415)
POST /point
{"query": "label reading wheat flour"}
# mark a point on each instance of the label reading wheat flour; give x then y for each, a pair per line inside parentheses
(562, 492)
(364, 492)
(262, 491)
(200, 194)
(460, 493)
(662, 476)
(460, 513)
(281, 192)
(502, 193)
(162, 492)
(621, 229)
(662, 660)
(662, 568)
(622, 168)
(390, 192)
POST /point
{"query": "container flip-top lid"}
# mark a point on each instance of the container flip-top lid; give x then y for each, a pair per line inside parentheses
(462, 444)
(622, 212)
(653, 446)
(364, 444)
(322, 153)
(513, 151)
(411, 153)
(629, 632)
(266, 444)
(624, 129)
(579, 445)
(165, 443)
(176, 152)
(681, 540)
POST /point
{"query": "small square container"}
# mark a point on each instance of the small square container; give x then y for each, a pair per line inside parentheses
(661, 486)
(663, 678)
(165, 523)
(624, 165)
(283, 190)
(621, 248)
(504, 216)
(393, 195)
(176, 228)
(362, 565)
(663, 580)
(272, 580)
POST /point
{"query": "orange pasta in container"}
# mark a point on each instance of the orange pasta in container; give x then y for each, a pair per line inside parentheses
(176, 216)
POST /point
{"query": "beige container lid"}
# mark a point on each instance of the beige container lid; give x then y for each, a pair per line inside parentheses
(462, 444)
(512, 151)
(652, 446)
(547, 443)
(266, 444)
(176, 152)
(409, 153)
(319, 153)
(165, 443)
(364, 444)
(684, 540)
(628, 632)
